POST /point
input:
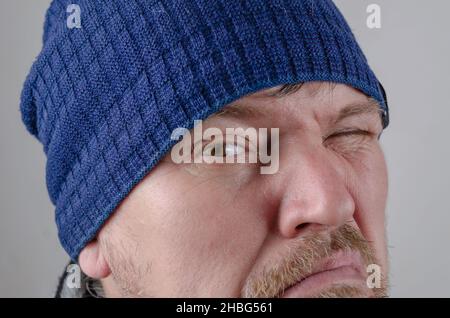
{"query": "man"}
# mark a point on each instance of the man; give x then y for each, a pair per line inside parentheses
(106, 100)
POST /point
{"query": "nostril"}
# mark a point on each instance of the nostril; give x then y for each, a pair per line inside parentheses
(301, 226)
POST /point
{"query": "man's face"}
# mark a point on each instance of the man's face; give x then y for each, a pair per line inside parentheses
(226, 230)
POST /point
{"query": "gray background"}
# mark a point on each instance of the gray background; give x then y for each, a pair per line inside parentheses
(410, 54)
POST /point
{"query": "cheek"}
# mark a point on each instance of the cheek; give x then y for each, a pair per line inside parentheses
(198, 232)
(369, 187)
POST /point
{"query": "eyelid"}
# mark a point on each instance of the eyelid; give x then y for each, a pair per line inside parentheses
(353, 132)
(349, 131)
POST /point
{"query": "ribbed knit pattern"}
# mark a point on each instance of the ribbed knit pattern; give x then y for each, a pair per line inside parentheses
(104, 99)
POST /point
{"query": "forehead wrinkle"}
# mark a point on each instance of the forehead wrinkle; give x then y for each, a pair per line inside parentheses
(239, 111)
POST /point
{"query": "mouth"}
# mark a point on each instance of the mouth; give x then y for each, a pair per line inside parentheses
(341, 268)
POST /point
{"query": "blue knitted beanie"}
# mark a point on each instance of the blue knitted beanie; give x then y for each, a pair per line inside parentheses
(103, 98)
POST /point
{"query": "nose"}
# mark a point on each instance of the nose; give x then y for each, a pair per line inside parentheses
(314, 191)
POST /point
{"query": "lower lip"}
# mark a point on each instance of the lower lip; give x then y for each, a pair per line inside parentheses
(313, 284)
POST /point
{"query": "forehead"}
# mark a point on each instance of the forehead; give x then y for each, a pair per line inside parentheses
(325, 102)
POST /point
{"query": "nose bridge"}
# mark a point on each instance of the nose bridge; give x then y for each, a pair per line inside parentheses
(314, 189)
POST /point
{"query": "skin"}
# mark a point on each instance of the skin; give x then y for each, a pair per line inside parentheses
(201, 230)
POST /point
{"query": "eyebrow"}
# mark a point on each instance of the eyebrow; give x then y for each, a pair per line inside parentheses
(353, 109)
(358, 109)
(239, 111)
